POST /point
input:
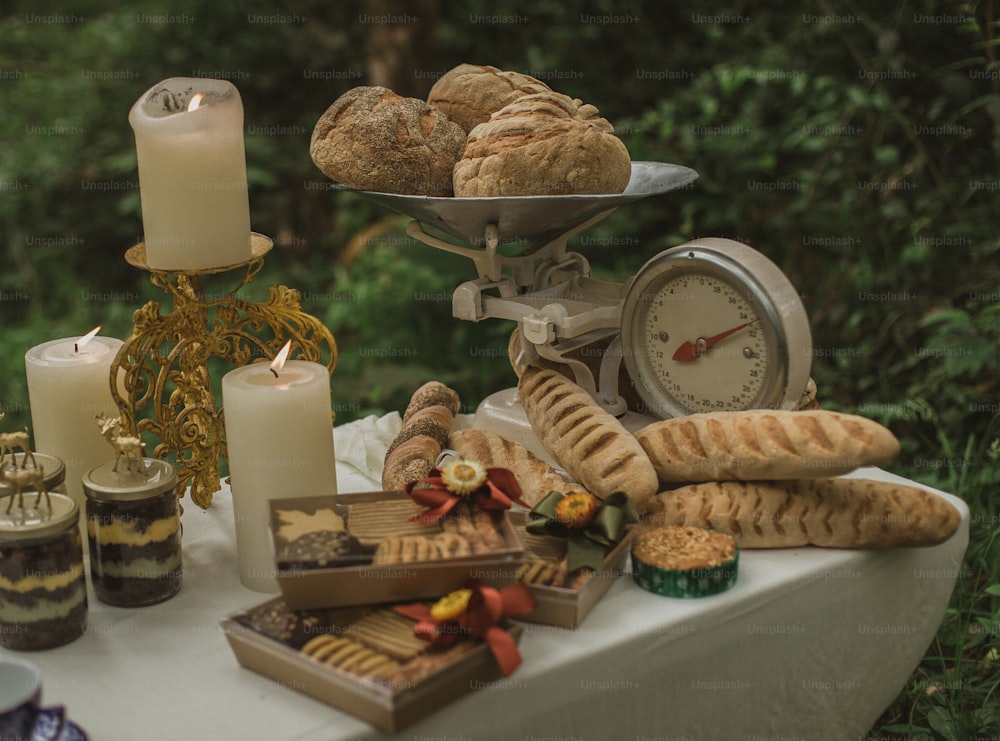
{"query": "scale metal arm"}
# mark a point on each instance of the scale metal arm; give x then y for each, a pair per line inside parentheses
(549, 292)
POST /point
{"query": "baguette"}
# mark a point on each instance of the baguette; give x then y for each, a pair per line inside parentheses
(536, 477)
(828, 512)
(427, 422)
(758, 445)
(586, 440)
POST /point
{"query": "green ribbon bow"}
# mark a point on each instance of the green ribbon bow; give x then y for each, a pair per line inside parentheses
(584, 546)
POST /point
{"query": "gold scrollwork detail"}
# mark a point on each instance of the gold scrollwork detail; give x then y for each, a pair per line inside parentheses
(164, 365)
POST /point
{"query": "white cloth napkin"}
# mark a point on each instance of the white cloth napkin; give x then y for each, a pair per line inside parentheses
(363, 443)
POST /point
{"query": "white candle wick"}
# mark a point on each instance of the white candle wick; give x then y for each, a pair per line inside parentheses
(279, 360)
(195, 102)
(86, 338)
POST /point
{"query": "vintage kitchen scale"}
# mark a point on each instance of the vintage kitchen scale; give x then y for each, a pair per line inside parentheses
(709, 325)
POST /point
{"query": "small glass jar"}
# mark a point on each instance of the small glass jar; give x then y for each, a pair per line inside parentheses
(43, 588)
(134, 532)
(53, 468)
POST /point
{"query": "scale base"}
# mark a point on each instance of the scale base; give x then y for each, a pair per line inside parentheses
(501, 413)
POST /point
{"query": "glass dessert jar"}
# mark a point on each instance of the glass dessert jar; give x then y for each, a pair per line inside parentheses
(134, 533)
(43, 588)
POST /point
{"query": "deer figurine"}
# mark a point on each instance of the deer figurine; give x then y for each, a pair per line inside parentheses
(32, 478)
(11, 440)
(130, 447)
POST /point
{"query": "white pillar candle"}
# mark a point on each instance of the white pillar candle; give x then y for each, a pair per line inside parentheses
(68, 386)
(279, 436)
(192, 174)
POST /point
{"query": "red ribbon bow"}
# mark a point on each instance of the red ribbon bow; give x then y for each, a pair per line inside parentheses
(487, 608)
(499, 491)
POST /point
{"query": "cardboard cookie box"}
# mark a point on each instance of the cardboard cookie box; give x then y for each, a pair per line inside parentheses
(362, 660)
(565, 606)
(311, 575)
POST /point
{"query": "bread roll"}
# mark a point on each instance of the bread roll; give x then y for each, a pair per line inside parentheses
(808, 399)
(470, 93)
(543, 144)
(372, 139)
(536, 477)
(586, 440)
(829, 512)
(764, 444)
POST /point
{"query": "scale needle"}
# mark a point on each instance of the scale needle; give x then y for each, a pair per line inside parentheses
(693, 350)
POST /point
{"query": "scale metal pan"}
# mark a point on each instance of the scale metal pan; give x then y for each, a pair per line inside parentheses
(532, 219)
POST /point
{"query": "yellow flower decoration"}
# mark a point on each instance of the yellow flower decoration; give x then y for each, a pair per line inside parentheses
(451, 606)
(576, 510)
(463, 476)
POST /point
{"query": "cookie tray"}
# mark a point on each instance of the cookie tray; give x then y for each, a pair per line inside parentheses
(390, 708)
(341, 586)
(566, 608)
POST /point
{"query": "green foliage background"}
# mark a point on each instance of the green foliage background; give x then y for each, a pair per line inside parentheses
(855, 144)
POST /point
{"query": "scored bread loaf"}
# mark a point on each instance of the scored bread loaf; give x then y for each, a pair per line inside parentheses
(470, 93)
(829, 512)
(761, 444)
(536, 477)
(539, 145)
(426, 425)
(585, 439)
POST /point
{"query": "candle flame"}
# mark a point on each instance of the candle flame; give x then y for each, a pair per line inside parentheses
(195, 102)
(279, 360)
(86, 338)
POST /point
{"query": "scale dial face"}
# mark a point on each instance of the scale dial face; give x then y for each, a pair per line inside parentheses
(713, 325)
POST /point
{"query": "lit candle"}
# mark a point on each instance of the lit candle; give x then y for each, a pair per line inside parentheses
(192, 174)
(279, 435)
(68, 386)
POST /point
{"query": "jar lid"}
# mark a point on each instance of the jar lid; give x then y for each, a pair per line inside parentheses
(54, 468)
(128, 484)
(52, 515)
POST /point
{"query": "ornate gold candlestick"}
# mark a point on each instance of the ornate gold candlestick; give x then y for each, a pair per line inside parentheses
(163, 365)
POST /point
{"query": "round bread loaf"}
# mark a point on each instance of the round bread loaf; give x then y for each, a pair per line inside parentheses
(470, 93)
(543, 144)
(370, 138)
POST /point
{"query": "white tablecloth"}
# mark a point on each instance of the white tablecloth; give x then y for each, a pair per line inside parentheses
(809, 644)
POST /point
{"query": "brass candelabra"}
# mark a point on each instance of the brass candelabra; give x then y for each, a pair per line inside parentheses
(160, 378)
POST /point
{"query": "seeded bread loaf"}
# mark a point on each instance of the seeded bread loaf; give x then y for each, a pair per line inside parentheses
(536, 477)
(470, 93)
(426, 425)
(829, 512)
(432, 394)
(543, 144)
(764, 444)
(370, 138)
(586, 440)
(410, 461)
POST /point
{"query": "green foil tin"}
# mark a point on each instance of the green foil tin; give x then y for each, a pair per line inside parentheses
(686, 583)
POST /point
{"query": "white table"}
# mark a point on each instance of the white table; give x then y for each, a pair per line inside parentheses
(809, 644)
